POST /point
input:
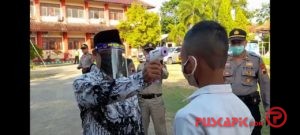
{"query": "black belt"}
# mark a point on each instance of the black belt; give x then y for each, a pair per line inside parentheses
(149, 96)
(253, 98)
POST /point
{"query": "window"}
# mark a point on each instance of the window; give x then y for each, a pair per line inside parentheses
(52, 44)
(115, 14)
(50, 9)
(75, 43)
(75, 12)
(96, 13)
(31, 9)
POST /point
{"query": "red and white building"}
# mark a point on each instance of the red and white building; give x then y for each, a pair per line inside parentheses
(64, 25)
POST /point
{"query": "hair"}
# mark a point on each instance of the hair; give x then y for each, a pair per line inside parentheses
(208, 40)
(94, 52)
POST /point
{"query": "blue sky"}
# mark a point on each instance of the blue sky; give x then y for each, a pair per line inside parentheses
(252, 4)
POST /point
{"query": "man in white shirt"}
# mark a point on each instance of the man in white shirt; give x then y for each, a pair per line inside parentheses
(213, 109)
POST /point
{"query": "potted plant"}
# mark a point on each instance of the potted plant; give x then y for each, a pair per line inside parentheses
(57, 52)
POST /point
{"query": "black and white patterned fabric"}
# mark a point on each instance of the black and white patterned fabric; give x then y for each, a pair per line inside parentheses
(109, 107)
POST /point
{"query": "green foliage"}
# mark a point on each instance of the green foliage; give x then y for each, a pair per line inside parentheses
(33, 53)
(224, 15)
(182, 15)
(192, 11)
(177, 33)
(262, 14)
(140, 27)
(241, 21)
(215, 5)
(168, 15)
(239, 4)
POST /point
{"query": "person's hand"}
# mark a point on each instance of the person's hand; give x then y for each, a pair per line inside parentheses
(152, 71)
(84, 70)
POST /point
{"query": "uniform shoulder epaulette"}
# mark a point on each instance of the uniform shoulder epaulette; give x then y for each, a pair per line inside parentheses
(254, 54)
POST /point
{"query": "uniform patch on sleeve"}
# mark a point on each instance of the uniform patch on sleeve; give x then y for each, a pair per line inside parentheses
(249, 64)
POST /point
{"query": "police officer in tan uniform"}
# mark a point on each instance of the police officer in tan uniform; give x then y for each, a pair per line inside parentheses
(151, 101)
(243, 71)
(86, 60)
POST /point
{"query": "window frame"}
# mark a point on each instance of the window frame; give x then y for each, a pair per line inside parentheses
(47, 7)
(99, 10)
(79, 10)
(118, 14)
(48, 46)
(76, 42)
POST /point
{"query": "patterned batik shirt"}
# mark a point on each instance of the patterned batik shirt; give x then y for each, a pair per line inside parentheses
(109, 107)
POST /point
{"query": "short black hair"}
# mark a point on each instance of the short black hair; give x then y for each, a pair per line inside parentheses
(208, 39)
(94, 52)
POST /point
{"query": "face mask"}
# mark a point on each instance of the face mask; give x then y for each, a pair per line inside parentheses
(237, 49)
(190, 77)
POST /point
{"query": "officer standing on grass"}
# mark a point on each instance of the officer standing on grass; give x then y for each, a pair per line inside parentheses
(243, 71)
(151, 101)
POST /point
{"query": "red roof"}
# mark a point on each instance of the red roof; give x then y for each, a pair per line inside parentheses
(127, 2)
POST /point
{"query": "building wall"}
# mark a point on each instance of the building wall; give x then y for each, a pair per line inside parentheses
(54, 41)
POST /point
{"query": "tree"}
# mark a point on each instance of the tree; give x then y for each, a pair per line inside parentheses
(262, 14)
(177, 33)
(33, 53)
(224, 15)
(240, 20)
(168, 15)
(189, 12)
(242, 4)
(215, 5)
(140, 27)
(239, 4)
(192, 11)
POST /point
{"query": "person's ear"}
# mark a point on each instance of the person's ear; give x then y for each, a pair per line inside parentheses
(190, 64)
(245, 43)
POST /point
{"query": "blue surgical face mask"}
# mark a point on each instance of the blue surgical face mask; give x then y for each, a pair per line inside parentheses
(237, 49)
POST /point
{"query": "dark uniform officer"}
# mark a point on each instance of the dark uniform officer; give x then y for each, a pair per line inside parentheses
(243, 71)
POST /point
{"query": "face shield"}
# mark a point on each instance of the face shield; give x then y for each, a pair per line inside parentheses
(113, 63)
